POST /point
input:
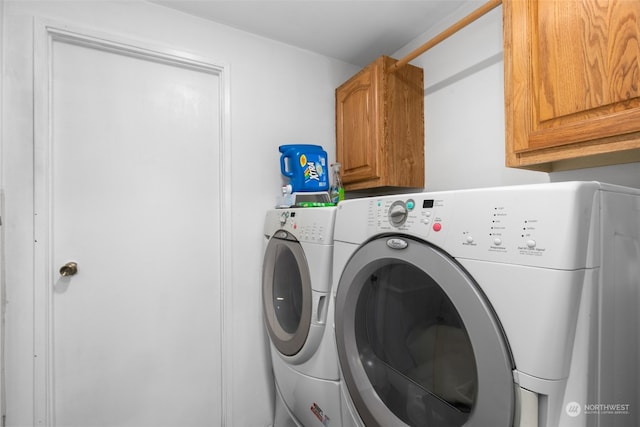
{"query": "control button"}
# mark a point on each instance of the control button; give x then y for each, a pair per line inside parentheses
(411, 204)
(437, 226)
(469, 239)
(531, 243)
(427, 213)
(497, 241)
(426, 220)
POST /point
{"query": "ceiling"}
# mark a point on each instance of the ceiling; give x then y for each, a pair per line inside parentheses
(354, 31)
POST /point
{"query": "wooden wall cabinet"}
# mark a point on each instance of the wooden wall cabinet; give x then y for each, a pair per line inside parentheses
(572, 83)
(380, 127)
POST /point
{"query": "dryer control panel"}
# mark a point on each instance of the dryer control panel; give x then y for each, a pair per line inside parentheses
(548, 225)
(423, 216)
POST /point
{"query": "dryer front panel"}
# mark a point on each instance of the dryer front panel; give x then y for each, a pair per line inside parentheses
(286, 293)
(418, 343)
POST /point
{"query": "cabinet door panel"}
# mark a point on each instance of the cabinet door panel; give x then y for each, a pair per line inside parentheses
(572, 73)
(577, 72)
(357, 143)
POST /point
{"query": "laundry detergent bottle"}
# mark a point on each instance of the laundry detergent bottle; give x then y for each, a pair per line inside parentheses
(306, 167)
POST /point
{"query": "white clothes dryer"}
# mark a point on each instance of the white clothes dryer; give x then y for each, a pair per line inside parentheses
(509, 306)
(298, 314)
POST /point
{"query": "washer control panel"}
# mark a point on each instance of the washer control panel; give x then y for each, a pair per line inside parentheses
(313, 225)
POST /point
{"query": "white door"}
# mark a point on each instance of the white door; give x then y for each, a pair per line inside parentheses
(128, 186)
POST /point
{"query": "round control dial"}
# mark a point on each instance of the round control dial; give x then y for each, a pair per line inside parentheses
(398, 213)
(283, 218)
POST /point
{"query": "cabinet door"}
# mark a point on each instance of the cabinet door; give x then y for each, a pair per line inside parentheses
(357, 139)
(572, 78)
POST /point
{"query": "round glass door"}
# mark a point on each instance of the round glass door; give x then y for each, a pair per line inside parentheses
(414, 347)
(286, 293)
(418, 344)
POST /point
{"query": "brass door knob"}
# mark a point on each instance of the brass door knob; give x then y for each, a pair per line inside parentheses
(69, 269)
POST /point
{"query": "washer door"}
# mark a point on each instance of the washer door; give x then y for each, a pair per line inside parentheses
(286, 293)
(418, 343)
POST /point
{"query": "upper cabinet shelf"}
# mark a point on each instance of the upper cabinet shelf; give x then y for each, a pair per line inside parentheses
(572, 83)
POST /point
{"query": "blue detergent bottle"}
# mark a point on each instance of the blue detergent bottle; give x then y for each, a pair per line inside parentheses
(306, 167)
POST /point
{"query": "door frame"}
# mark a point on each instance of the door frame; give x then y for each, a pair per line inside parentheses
(46, 32)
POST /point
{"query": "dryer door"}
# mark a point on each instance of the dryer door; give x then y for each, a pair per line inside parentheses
(417, 341)
(286, 293)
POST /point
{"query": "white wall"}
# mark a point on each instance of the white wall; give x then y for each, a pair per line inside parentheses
(279, 95)
(464, 112)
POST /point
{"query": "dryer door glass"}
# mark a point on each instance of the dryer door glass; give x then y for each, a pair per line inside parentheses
(414, 347)
(417, 341)
(286, 293)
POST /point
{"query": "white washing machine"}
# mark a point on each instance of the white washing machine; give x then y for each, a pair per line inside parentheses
(511, 306)
(298, 314)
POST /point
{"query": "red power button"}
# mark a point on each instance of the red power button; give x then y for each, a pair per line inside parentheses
(437, 226)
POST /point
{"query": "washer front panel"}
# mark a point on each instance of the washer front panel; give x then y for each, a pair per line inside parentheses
(418, 343)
